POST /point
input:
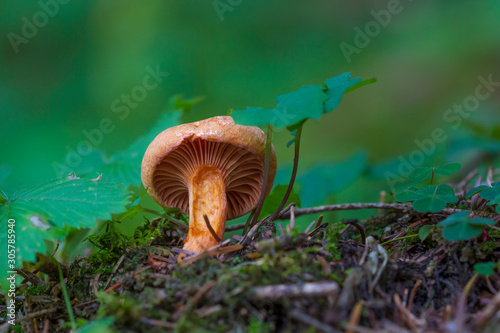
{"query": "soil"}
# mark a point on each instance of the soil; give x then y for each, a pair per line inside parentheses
(336, 277)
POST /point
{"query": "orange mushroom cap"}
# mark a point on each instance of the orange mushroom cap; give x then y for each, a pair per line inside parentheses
(193, 164)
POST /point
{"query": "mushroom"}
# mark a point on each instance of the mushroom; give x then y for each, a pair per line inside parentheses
(210, 167)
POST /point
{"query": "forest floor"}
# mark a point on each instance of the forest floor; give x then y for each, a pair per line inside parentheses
(375, 275)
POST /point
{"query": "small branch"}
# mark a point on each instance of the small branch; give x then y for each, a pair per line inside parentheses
(357, 206)
(212, 231)
(308, 289)
(311, 321)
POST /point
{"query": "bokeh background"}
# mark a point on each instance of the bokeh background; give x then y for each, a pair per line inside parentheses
(64, 79)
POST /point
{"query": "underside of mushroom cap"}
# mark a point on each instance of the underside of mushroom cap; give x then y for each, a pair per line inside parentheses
(179, 152)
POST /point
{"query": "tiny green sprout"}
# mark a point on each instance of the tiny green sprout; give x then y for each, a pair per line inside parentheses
(485, 268)
(422, 173)
(460, 226)
(430, 198)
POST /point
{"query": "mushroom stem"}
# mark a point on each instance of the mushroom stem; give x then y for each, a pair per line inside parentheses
(207, 196)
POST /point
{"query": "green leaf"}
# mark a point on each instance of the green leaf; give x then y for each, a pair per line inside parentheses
(361, 84)
(425, 231)
(99, 325)
(491, 193)
(447, 169)
(274, 199)
(55, 205)
(454, 219)
(294, 108)
(419, 174)
(410, 194)
(319, 182)
(485, 268)
(460, 226)
(434, 198)
(337, 87)
(475, 191)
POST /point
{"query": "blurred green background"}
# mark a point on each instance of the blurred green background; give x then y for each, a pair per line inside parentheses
(63, 78)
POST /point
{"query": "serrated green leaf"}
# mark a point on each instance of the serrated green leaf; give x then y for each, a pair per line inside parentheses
(475, 191)
(294, 108)
(485, 268)
(424, 232)
(56, 204)
(274, 199)
(447, 169)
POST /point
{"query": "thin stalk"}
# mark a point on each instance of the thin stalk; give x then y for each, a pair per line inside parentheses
(294, 174)
(267, 163)
(399, 238)
(66, 296)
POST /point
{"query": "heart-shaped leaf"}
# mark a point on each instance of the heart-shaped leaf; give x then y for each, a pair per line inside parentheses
(421, 173)
(460, 226)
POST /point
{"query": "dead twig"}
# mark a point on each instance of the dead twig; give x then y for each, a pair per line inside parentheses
(308, 289)
(212, 231)
(357, 206)
(484, 316)
(311, 321)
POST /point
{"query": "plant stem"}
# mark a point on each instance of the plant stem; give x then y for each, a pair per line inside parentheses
(66, 296)
(294, 174)
(397, 239)
(267, 163)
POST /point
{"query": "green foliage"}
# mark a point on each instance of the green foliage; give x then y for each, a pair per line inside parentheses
(99, 325)
(294, 108)
(422, 173)
(424, 231)
(317, 183)
(490, 193)
(48, 210)
(331, 239)
(274, 199)
(429, 198)
(475, 191)
(485, 268)
(460, 226)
